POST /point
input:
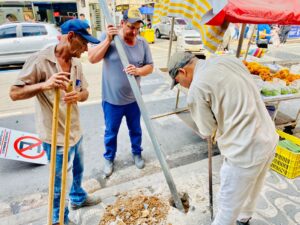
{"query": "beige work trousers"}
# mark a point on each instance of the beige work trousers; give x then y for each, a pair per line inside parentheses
(239, 190)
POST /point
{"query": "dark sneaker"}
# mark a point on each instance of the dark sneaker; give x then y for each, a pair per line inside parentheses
(243, 223)
(108, 167)
(138, 161)
(89, 201)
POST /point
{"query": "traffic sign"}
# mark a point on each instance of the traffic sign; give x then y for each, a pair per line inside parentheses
(22, 146)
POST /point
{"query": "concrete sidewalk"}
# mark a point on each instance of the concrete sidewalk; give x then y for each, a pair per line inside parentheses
(279, 202)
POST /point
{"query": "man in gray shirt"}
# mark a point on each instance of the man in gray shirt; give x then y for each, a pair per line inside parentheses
(117, 97)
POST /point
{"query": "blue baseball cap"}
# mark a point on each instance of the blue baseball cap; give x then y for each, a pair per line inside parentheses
(78, 27)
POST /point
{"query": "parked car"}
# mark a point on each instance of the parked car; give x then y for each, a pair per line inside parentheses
(190, 40)
(19, 40)
(164, 27)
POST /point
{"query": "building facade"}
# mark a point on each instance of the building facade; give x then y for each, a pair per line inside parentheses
(53, 11)
(58, 11)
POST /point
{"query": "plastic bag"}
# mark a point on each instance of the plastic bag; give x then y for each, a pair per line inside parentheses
(271, 89)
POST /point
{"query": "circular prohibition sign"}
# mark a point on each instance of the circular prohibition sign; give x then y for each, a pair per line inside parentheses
(21, 151)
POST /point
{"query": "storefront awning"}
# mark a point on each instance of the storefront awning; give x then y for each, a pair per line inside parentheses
(280, 12)
(146, 10)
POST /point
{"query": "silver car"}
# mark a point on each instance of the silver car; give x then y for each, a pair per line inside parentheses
(164, 27)
(19, 40)
(189, 40)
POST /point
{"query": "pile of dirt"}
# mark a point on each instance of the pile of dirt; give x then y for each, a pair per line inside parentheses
(136, 210)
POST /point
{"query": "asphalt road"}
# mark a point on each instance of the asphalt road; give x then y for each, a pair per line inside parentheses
(179, 143)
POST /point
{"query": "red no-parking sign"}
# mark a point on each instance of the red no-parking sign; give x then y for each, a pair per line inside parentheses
(21, 146)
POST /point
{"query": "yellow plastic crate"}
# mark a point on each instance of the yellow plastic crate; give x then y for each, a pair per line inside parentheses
(286, 162)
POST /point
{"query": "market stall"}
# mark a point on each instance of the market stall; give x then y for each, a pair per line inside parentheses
(213, 20)
(218, 15)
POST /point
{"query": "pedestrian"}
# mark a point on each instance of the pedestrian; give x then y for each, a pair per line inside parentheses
(225, 45)
(246, 31)
(28, 17)
(263, 36)
(10, 18)
(44, 71)
(283, 33)
(82, 17)
(118, 100)
(236, 117)
(236, 31)
(149, 24)
(275, 35)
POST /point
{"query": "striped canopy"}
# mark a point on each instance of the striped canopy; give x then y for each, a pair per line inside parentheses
(197, 12)
(221, 12)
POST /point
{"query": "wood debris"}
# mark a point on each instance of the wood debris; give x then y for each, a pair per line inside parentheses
(136, 210)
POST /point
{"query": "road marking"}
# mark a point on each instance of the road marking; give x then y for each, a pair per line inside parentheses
(2, 115)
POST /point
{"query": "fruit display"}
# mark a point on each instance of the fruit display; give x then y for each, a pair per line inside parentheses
(272, 83)
(266, 75)
(257, 68)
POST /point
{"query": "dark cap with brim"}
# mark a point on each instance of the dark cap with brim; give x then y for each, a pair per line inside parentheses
(177, 61)
(133, 15)
(78, 27)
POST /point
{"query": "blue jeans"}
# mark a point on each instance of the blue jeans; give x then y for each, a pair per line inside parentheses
(236, 33)
(113, 115)
(75, 163)
(246, 31)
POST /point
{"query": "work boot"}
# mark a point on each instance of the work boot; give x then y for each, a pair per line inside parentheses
(89, 201)
(243, 223)
(138, 161)
(108, 167)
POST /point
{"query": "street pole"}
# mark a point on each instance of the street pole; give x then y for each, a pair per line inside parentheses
(144, 113)
(171, 39)
(241, 39)
(249, 42)
(210, 184)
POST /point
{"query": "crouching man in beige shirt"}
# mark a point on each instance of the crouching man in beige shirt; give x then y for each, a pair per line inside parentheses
(225, 102)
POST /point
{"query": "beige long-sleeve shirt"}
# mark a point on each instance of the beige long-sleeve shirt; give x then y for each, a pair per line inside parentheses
(224, 99)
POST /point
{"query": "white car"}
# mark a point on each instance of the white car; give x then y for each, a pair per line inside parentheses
(190, 40)
(164, 27)
(19, 40)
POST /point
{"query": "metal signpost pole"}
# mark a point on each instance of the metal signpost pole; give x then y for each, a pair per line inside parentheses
(144, 113)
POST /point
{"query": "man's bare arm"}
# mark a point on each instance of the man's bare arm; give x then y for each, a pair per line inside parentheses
(96, 54)
(58, 80)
